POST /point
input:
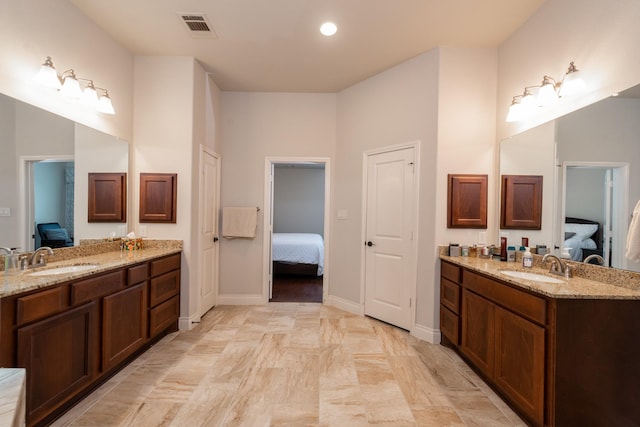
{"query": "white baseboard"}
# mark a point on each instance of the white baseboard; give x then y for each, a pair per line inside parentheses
(187, 323)
(240, 299)
(346, 305)
(426, 334)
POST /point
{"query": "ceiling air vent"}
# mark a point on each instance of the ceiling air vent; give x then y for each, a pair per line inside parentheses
(197, 25)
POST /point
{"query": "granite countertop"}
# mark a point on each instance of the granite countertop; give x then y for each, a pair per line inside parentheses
(573, 288)
(12, 397)
(23, 281)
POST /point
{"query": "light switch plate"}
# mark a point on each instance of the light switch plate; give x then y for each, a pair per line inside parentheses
(342, 214)
(5, 211)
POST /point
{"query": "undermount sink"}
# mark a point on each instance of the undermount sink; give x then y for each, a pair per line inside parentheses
(530, 276)
(63, 270)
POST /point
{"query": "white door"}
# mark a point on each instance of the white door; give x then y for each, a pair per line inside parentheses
(606, 226)
(209, 209)
(389, 229)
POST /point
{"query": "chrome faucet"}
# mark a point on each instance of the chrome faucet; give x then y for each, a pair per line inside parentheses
(37, 258)
(594, 256)
(558, 267)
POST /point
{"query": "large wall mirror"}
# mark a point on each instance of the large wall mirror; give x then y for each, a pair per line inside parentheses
(590, 160)
(44, 165)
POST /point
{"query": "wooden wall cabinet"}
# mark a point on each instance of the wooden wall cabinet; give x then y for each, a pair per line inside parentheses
(158, 196)
(107, 197)
(467, 201)
(521, 202)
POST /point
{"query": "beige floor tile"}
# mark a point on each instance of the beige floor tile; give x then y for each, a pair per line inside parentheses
(287, 364)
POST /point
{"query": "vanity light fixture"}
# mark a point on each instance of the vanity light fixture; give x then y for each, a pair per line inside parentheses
(548, 92)
(69, 85)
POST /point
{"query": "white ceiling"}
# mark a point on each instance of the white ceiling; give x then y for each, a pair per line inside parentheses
(275, 45)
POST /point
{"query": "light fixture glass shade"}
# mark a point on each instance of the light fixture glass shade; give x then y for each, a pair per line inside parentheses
(547, 94)
(71, 87)
(516, 112)
(105, 105)
(47, 75)
(90, 96)
(573, 84)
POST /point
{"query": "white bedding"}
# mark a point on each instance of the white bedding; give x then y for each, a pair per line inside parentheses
(300, 248)
(575, 244)
(578, 237)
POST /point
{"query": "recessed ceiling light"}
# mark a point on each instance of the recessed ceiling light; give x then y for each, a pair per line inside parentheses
(328, 29)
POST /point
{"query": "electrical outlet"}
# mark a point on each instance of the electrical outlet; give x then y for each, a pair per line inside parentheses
(5, 211)
(143, 231)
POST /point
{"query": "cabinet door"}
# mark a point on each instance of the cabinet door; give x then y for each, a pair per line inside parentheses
(124, 324)
(519, 362)
(59, 354)
(478, 341)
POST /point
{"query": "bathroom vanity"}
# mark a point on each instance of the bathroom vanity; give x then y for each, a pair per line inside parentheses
(71, 331)
(562, 354)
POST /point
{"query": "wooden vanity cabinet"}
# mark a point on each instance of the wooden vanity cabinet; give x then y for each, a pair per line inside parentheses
(450, 294)
(72, 336)
(502, 333)
(164, 294)
(59, 355)
(557, 361)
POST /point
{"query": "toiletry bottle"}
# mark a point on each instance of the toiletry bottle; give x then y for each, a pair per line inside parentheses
(527, 258)
(511, 253)
(503, 248)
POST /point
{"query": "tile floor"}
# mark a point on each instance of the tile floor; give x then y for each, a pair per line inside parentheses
(290, 364)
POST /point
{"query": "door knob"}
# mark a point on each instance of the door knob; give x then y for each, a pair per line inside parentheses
(370, 243)
(215, 239)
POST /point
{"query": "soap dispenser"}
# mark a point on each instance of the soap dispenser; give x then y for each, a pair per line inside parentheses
(527, 258)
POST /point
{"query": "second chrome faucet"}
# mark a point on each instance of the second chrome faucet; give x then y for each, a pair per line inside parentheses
(558, 267)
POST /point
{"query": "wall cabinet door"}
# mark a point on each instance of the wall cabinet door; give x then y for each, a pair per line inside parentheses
(519, 362)
(478, 331)
(59, 354)
(124, 324)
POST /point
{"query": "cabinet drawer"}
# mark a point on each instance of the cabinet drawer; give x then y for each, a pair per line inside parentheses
(164, 287)
(450, 325)
(163, 316)
(137, 274)
(42, 304)
(164, 265)
(96, 287)
(527, 305)
(450, 295)
(450, 271)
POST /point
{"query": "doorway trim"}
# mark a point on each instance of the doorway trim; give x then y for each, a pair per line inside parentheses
(619, 219)
(26, 193)
(267, 263)
(416, 208)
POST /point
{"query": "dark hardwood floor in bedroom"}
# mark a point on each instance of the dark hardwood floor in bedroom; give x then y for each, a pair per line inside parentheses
(296, 288)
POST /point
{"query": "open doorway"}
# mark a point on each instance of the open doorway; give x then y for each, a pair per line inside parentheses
(594, 204)
(296, 207)
(47, 192)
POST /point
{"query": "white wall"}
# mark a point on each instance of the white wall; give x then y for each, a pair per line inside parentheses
(466, 145)
(532, 153)
(602, 39)
(96, 152)
(31, 30)
(298, 200)
(8, 173)
(256, 126)
(394, 107)
(608, 131)
(165, 137)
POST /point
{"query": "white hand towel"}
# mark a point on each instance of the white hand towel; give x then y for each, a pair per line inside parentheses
(239, 222)
(633, 237)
